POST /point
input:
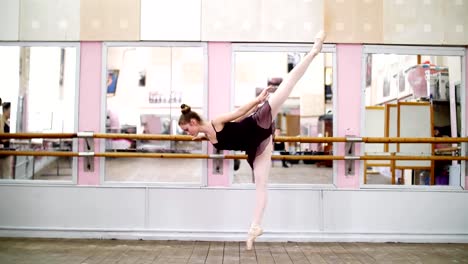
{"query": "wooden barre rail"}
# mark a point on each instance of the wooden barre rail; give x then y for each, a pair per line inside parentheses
(277, 139)
(220, 156)
(37, 135)
(414, 140)
(144, 137)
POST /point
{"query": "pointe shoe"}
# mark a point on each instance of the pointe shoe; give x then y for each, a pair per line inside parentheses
(254, 232)
(319, 38)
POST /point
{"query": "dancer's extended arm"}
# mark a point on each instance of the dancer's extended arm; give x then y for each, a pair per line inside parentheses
(251, 111)
(241, 111)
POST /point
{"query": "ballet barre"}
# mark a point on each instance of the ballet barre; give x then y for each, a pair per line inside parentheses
(220, 156)
(298, 139)
(89, 153)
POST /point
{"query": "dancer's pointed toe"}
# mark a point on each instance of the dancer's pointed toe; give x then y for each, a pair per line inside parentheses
(319, 38)
(254, 232)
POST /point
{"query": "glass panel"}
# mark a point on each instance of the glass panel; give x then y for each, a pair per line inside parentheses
(413, 96)
(145, 88)
(41, 92)
(307, 112)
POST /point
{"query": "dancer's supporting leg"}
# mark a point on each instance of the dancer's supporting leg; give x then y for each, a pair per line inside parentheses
(277, 99)
(262, 163)
(261, 169)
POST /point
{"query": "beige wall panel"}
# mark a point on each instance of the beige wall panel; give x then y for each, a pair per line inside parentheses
(354, 21)
(456, 22)
(414, 21)
(261, 20)
(110, 20)
(291, 20)
(170, 20)
(9, 19)
(231, 20)
(49, 20)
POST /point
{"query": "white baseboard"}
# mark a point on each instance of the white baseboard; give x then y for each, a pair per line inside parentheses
(187, 235)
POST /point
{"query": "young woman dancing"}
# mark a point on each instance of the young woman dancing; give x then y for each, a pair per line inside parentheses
(252, 133)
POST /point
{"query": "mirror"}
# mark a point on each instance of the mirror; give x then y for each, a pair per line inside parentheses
(307, 112)
(413, 95)
(41, 85)
(145, 86)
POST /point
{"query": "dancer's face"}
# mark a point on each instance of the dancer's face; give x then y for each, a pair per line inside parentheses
(191, 128)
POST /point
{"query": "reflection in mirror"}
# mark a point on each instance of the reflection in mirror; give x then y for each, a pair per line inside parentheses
(307, 112)
(145, 88)
(40, 84)
(413, 96)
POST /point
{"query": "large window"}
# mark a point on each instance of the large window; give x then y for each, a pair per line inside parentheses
(145, 86)
(39, 82)
(307, 112)
(413, 92)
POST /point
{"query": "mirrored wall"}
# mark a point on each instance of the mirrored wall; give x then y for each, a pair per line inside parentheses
(144, 87)
(307, 112)
(413, 92)
(39, 93)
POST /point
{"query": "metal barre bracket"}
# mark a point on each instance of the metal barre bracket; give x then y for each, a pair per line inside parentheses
(349, 154)
(85, 134)
(88, 154)
(353, 139)
(216, 156)
(217, 162)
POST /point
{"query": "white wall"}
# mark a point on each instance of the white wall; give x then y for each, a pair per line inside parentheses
(224, 214)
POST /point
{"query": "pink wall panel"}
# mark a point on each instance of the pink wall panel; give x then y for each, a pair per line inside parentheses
(89, 104)
(349, 105)
(219, 83)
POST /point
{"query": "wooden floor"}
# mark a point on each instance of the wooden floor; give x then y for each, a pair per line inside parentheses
(51, 251)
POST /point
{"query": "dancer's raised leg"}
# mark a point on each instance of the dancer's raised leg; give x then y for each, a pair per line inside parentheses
(277, 99)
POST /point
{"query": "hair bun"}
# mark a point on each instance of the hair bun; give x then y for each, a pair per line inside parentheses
(185, 109)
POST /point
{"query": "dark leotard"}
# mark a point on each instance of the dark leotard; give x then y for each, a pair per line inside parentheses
(6, 129)
(251, 135)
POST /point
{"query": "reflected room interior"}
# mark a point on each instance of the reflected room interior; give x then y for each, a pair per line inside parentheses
(152, 84)
(42, 89)
(308, 112)
(413, 96)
